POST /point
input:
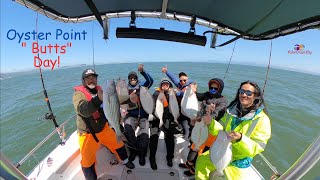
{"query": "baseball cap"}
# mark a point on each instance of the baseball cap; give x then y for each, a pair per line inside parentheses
(88, 72)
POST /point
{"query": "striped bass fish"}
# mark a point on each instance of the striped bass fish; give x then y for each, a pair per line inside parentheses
(173, 105)
(111, 107)
(220, 154)
(159, 108)
(199, 134)
(189, 104)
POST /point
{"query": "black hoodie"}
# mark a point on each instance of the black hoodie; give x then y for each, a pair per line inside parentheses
(217, 99)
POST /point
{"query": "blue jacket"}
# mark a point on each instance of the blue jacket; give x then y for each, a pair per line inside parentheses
(176, 82)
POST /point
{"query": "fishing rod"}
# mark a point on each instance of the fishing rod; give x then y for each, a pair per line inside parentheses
(50, 115)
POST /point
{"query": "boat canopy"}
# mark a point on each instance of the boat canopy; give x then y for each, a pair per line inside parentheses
(248, 19)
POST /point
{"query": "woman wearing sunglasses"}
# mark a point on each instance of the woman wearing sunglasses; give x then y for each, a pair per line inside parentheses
(213, 97)
(248, 127)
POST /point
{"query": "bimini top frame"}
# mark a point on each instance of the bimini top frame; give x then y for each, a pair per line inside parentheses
(251, 19)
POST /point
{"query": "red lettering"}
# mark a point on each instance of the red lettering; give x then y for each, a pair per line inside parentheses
(63, 49)
(57, 47)
(47, 63)
(37, 59)
(50, 47)
(35, 47)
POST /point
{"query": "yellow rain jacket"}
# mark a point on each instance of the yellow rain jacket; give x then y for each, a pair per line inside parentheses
(255, 129)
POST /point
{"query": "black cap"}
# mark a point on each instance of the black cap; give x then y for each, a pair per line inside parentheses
(88, 72)
(182, 74)
(132, 74)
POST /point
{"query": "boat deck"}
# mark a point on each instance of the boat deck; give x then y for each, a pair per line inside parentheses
(64, 163)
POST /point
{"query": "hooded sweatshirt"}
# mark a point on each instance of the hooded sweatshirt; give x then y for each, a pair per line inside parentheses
(220, 101)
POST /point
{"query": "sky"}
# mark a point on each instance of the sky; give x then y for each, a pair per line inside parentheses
(17, 20)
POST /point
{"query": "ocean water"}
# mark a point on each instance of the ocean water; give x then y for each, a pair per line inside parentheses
(292, 100)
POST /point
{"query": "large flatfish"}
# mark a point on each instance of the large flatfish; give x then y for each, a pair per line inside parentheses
(199, 134)
(111, 107)
(220, 154)
(173, 106)
(123, 95)
(122, 90)
(159, 108)
(189, 104)
(146, 100)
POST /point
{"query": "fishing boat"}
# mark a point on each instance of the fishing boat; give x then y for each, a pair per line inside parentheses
(251, 20)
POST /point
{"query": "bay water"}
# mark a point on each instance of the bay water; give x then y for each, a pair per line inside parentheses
(292, 101)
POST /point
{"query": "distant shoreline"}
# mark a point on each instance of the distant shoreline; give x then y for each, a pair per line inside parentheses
(7, 74)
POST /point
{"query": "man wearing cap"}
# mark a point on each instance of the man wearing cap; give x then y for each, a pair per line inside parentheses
(169, 126)
(92, 125)
(137, 116)
(181, 83)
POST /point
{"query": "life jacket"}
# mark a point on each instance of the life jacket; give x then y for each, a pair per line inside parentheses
(96, 115)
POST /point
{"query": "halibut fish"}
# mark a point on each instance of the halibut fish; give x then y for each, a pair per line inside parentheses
(173, 106)
(123, 95)
(147, 101)
(220, 154)
(122, 90)
(189, 104)
(111, 107)
(159, 108)
(199, 134)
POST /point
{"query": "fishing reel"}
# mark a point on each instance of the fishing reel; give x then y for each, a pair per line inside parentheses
(47, 116)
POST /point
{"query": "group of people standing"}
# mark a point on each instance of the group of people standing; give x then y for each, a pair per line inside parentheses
(244, 119)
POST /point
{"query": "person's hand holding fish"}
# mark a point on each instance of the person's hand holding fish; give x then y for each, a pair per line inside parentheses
(193, 121)
(210, 108)
(234, 136)
(194, 87)
(133, 97)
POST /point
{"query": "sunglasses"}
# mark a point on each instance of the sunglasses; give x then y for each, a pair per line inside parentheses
(215, 88)
(247, 92)
(132, 78)
(184, 80)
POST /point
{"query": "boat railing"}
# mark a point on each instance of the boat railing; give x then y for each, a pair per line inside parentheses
(274, 170)
(59, 131)
(306, 161)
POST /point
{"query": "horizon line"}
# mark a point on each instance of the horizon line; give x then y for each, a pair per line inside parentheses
(189, 61)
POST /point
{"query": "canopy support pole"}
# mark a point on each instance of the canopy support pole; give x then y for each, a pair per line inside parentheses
(95, 11)
(164, 8)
